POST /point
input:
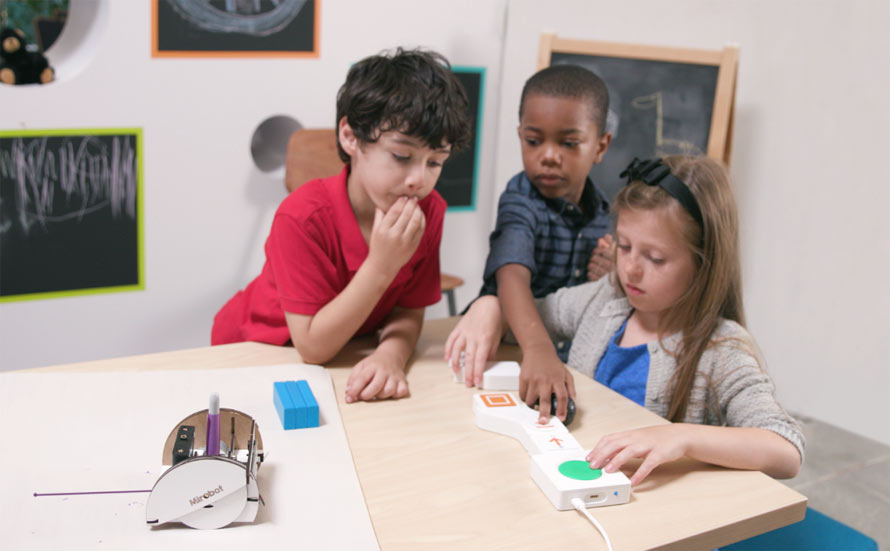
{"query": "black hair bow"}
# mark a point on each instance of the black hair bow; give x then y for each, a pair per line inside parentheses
(654, 172)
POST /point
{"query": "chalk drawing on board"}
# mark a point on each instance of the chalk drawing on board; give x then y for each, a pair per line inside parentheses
(235, 28)
(70, 212)
(663, 100)
(239, 16)
(664, 146)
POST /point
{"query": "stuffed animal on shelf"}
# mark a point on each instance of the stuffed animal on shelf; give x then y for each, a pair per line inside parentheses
(18, 65)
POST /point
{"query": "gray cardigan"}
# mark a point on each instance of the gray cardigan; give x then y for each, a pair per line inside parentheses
(740, 388)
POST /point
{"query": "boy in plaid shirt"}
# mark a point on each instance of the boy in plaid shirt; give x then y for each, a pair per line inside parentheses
(551, 230)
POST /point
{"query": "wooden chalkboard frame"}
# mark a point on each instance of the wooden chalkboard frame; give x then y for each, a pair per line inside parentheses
(726, 60)
(136, 246)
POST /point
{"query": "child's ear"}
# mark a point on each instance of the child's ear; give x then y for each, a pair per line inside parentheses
(348, 139)
(602, 145)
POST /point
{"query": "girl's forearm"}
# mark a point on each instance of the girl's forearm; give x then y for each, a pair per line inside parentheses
(743, 448)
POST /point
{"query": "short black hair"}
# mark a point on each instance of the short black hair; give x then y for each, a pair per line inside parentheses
(570, 81)
(410, 91)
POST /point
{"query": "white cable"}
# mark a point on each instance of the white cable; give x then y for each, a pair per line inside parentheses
(579, 506)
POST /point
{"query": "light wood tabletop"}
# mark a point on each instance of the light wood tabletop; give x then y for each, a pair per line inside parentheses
(433, 480)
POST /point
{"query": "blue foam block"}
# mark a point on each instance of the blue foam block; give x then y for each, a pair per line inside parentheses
(295, 404)
(309, 403)
(284, 405)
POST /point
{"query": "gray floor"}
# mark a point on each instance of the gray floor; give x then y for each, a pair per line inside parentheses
(847, 477)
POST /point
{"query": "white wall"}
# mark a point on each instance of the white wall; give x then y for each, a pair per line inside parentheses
(810, 159)
(810, 162)
(207, 208)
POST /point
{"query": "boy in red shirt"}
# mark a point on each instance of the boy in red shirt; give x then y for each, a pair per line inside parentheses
(359, 251)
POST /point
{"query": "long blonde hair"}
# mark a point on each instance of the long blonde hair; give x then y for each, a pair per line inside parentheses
(716, 288)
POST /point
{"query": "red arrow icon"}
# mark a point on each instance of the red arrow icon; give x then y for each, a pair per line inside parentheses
(556, 441)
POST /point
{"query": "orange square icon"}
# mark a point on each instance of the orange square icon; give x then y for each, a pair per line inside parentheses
(498, 400)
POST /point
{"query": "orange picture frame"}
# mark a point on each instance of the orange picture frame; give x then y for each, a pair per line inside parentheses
(205, 31)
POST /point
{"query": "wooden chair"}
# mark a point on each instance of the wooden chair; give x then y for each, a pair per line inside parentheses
(312, 153)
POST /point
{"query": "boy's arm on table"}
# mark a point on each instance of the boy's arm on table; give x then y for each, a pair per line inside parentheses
(479, 332)
(733, 447)
(319, 337)
(382, 374)
(542, 372)
(394, 238)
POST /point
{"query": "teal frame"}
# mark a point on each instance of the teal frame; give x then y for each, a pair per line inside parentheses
(476, 154)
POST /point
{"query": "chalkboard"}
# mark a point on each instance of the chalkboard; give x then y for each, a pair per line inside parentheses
(663, 101)
(190, 28)
(458, 182)
(70, 212)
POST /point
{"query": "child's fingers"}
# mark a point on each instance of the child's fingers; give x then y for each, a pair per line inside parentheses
(401, 389)
(373, 387)
(562, 401)
(627, 453)
(389, 388)
(405, 214)
(357, 381)
(479, 362)
(469, 363)
(391, 217)
(544, 403)
(493, 348)
(449, 344)
(414, 228)
(647, 466)
(605, 448)
(458, 349)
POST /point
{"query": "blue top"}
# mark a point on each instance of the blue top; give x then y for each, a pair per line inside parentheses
(624, 370)
(553, 238)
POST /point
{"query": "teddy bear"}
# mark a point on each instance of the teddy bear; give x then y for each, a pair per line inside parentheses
(18, 65)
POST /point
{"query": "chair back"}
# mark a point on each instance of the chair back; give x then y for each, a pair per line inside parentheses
(311, 154)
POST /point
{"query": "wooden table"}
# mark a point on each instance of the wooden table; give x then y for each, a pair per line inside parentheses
(433, 480)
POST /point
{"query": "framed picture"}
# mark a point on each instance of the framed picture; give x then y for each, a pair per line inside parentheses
(663, 100)
(70, 212)
(234, 28)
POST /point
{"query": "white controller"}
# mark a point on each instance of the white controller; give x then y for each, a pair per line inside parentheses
(558, 466)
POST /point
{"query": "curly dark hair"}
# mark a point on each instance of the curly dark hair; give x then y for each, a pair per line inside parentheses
(570, 81)
(410, 91)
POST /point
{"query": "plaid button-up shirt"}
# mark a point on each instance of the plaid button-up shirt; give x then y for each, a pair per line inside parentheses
(553, 238)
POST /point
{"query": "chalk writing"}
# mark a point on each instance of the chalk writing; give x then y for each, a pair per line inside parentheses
(56, 179)
(664, 146)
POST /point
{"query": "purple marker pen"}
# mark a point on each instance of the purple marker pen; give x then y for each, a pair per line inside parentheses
(212, 447)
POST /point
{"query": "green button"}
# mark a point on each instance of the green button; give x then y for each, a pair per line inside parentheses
(579, 470)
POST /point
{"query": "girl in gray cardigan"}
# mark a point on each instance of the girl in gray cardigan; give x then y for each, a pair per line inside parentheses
(667, 329)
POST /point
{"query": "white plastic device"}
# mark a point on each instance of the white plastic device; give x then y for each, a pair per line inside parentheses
(497, 376)
(554, 452)
(560, 488)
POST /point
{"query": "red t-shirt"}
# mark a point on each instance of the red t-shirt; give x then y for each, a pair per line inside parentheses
(312, 253)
